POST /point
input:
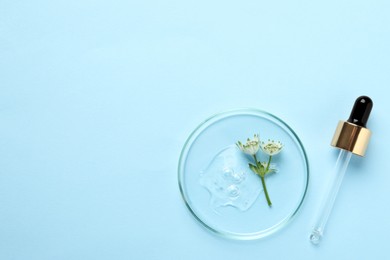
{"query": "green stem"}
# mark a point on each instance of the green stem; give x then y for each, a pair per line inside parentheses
(266, 192)
(269, 163)
(262, 178)
(254, 156)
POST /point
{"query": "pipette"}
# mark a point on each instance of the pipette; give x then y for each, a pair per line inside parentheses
(351, 137)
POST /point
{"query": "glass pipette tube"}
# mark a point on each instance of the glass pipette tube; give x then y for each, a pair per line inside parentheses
(328, 200)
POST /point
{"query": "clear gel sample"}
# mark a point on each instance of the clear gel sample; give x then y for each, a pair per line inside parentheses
(230, 181)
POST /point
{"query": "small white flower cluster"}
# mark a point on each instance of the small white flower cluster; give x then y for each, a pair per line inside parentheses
(260, 168)
(271, 147)
(252, 146)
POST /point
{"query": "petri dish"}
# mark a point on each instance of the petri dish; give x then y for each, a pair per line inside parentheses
(220, 190)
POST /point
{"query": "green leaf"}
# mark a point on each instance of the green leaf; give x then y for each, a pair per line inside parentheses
(254, 168)
(262, 166)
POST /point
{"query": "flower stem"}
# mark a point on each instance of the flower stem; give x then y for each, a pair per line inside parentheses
(265, 191)
(255, 157)
(269, 162)
(262, 178)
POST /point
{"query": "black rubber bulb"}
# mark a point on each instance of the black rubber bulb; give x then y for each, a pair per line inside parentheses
(361, 111)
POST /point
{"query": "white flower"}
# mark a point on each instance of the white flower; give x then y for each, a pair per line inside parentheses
(251, 146)
(271, 147)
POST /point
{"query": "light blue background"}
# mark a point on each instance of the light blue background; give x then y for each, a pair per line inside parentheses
(98, 97)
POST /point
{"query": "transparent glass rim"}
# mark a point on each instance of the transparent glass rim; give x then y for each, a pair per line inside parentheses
(183, 156)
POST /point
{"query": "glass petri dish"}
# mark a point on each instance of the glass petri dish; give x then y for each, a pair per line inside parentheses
(220, 190)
